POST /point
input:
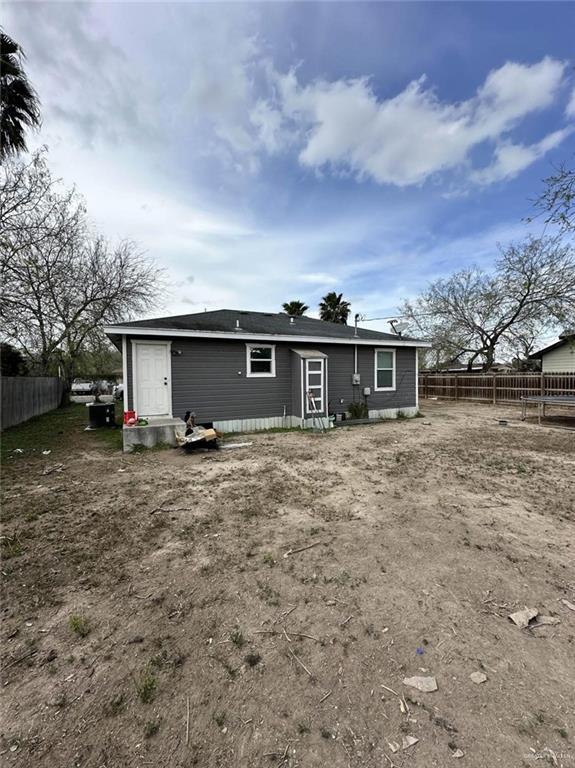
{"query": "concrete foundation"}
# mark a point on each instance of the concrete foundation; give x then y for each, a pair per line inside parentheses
(157, 431)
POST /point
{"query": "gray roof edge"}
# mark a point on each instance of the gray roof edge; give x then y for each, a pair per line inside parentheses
(292, 338)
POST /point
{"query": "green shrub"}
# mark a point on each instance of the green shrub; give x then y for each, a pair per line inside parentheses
(358, 410)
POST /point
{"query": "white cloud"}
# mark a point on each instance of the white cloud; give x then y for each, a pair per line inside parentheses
(570, 109)
(405, 139)
(511, 159)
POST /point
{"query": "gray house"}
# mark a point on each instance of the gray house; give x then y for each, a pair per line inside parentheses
(257, 370)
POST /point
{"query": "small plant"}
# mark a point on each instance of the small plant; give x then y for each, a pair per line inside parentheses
(10, 547)
(268, 559)
(237, 637)
(303, 728)
(358, 410)
(115, 705)
(79, 625)
(146, 686)
(151, 728)
(160, 660)
(219, 718)
(325, 733)
(253, 659)
(268, 594)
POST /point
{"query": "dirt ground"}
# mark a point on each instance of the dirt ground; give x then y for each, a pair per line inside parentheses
(262, 607)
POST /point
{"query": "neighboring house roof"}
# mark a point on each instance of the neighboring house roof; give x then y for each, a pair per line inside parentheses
(241, 324)
(565, 338)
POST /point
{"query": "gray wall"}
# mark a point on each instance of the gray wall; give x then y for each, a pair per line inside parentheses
(209, 377)
(24, 397)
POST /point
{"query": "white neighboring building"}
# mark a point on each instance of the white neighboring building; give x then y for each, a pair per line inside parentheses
(558, 357)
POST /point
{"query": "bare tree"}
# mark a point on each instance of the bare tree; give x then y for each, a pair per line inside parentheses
(473, 313)
(557, 202)
(60, 281)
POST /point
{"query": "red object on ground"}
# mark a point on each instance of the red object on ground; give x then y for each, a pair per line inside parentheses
(130, 417)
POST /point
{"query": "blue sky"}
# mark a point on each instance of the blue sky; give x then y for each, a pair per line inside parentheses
(266, 152)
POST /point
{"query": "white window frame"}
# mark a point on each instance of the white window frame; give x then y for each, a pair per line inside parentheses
(321, 386)
(375, 370)
(249, 373)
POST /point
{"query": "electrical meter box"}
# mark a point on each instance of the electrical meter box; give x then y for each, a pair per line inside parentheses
(355, 379)
(367, 391)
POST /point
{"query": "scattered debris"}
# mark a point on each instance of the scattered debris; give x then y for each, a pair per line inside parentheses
(53, 468)
(543, 621)
(522, 618)
(408, 741)
(18, 450)
(197, 438)
(46, 453)
(323, 698)
(425, 684)
(231, 446)
(478, 677)
(567, 604)
(458, 753)
(300, 662)
(301, 549)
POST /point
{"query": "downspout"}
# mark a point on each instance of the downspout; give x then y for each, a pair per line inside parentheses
(125, 372)
(355, 346)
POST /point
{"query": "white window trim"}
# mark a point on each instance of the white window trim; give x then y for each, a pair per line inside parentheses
(321, 386)
(249, 373)
(375, 369)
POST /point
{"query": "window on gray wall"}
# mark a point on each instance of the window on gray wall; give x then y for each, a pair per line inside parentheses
(261, 360)
(384, 369)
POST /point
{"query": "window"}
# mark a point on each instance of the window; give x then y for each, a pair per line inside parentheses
(384, 369)
(261, 360)
(314, 385)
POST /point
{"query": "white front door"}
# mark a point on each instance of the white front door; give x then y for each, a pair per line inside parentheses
(314, 384)
(152, 379)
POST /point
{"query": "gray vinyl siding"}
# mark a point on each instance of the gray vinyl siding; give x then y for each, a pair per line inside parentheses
(341, 368)
(209, 378)
(296, 372)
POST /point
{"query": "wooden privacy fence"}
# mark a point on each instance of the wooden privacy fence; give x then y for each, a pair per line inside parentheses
(494, 387)
(26, 396)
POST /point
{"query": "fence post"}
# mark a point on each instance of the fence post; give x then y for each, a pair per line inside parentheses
(494, 388)
(457, 386)
(542, 383)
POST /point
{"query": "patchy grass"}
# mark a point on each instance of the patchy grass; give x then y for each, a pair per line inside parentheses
(151, 728)
(79, 625)
(237, 638)
(146, 685)
(115, 706)
(57, 432)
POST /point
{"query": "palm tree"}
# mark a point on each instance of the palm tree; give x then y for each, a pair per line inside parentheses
(19, 105)
(334, 309)
(295, 308)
